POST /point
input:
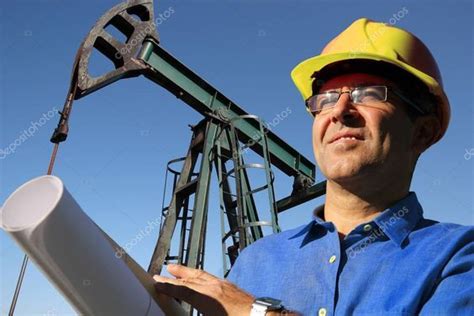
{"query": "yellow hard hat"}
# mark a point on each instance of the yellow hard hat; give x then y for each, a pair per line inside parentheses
(368, 40)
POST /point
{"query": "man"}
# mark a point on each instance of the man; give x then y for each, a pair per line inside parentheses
(377, 99)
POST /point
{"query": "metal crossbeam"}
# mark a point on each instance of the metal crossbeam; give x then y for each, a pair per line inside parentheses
(174, 76)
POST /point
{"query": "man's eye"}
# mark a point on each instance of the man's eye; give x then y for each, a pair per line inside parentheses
(326, 101)
(369, 95)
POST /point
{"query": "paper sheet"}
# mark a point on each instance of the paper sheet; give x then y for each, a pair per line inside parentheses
(48, 224)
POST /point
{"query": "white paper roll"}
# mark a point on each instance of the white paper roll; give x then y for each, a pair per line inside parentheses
(45, 220)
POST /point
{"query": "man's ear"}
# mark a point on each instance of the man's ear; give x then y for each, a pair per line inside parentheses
(425, 133)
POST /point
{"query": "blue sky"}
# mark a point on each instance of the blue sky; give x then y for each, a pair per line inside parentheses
(122, 136)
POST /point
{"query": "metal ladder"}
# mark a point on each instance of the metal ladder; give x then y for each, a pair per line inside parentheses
(244, 225)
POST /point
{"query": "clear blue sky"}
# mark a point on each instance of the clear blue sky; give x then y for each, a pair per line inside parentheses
(114, 164)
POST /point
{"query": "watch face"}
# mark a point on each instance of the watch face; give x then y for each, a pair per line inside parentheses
(270, 302)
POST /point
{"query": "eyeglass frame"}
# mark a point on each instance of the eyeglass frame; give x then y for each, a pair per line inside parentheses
(397, 92)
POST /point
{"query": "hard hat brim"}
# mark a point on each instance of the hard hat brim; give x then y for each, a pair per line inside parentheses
(302, 76)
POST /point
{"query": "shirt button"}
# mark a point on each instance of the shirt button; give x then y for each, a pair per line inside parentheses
(322, 312)
(367, 227)
(331, 260)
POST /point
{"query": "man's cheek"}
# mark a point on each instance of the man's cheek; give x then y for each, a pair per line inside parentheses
(318, 133)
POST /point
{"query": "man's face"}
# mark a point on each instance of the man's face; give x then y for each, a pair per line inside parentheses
(378, 137)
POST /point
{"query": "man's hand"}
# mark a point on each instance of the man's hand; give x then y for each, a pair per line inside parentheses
(205, 292)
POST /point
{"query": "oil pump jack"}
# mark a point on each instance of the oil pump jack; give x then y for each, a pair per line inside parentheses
(219, 140)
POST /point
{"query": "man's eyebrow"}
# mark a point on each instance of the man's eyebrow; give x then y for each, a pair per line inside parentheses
(355, 85)
(367, 83)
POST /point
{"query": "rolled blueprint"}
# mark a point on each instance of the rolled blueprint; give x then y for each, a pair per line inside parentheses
(76, 255)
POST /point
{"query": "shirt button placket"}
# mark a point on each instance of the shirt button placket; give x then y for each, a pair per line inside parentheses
(326, 307)
(323, 311)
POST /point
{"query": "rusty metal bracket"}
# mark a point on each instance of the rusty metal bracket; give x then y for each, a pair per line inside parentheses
(135, 19)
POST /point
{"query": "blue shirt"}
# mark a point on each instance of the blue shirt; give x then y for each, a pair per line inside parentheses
(398, 264)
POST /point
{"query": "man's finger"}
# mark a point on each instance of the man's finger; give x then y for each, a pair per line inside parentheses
(190, 292)
(181, 282)
(180, 289)
(183, 272)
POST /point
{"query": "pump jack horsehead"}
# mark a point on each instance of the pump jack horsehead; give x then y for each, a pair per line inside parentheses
(225, 133)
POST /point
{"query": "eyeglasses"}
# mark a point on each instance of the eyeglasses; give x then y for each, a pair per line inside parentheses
(368, 95)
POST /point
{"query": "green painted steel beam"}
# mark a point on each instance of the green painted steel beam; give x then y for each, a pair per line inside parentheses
(198, 224)
(294, 200)
(174, 76)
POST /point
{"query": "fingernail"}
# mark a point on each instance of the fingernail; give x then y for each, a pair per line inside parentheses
(157, 278)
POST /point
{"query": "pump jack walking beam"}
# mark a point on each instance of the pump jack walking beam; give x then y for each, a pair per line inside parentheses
(147, 57)
(142, 54)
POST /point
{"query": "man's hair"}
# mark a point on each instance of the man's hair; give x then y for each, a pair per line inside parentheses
(411, 87)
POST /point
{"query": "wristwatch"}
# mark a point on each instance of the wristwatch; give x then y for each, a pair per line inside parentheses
(262, 305)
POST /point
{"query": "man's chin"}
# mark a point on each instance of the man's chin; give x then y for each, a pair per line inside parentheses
(344, 173)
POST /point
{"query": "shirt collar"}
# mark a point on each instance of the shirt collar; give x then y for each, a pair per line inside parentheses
(400, 219)
(396, 222)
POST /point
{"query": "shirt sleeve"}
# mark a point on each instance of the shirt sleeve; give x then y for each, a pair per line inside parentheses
(235, 275)
(454, 291)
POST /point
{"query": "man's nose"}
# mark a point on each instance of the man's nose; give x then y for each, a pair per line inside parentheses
(344, 110)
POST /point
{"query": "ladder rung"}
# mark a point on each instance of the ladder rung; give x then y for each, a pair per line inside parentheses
(188, 218)
(187, 189)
